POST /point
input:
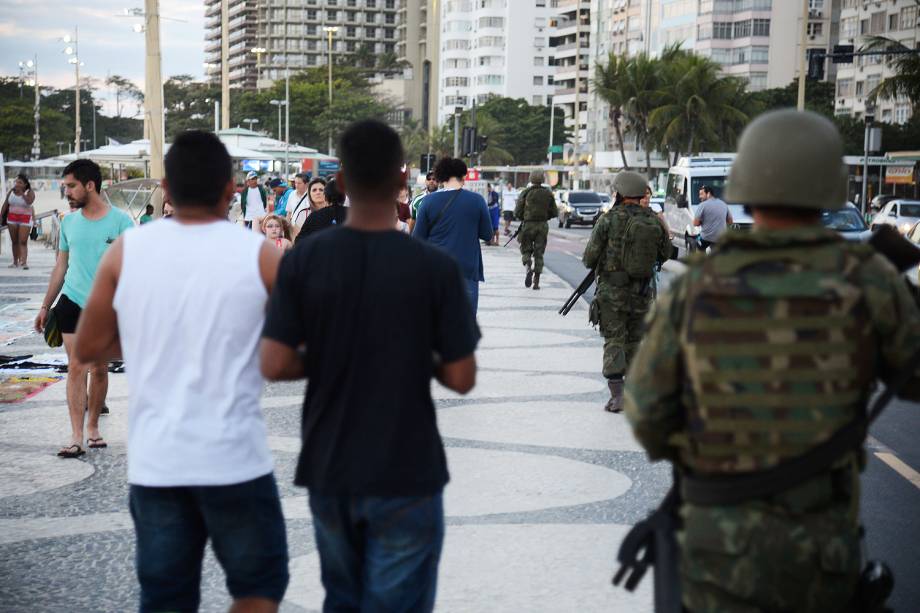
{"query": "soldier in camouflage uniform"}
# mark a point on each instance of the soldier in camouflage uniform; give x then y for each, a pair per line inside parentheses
(758, 353)
(535, 206)
(625, 245)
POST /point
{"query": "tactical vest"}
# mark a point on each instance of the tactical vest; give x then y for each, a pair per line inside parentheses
(780, 353)
(632, 243)
(537, 203)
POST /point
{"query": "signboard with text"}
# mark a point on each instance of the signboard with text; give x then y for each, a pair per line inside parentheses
(899, 175)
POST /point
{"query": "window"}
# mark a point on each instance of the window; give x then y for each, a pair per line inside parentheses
(757, 81)
(490, 79)
(456, 82)
(844, 88)
(877, 23)
(722, 56)
(538, 80)
(815, 5)
(815, 28)
(453, 44)
(848, 27)
(760, 55)
(491, 22)
(901, 113)
(859, 88)
(762, 27)
(722, 30)
(740, 55)
(872, 82)
(742, 29)
(704, 31)
(538, 61)
(537, 100)
(863, 26)
(908, 18)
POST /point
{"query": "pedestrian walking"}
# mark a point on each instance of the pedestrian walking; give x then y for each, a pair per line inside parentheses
(282, 192)
(758, 355)
(199, 466)
(332, 214)
(493, 201)
(19, 216)
(509, 203)
(456, 220)
(625, 245)
(299, 203)
(253, 201)
(431, 186)
(712, 217)
(85, 236)
(372, 458)
(534, 208)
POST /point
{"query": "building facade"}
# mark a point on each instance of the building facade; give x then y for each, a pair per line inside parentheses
(492, 48)
(295, 34)
(570, 42)
(896, 19)
(418, 45)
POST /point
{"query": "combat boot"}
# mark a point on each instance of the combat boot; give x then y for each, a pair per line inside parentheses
(536, 280)
(528, 278)
(615, 404)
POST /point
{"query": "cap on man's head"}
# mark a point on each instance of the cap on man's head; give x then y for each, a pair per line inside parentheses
(276, 182)
(252, 175)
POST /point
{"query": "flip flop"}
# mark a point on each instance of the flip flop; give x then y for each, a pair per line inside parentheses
(96, 443)
(68, 452)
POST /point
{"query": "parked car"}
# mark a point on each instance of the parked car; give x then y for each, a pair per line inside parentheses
(881, 200)
(579, 207)
(606, 201)
(848, 222)
(656, 203)
(900, 213)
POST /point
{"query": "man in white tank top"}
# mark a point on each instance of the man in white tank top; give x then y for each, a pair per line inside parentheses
(199, 465)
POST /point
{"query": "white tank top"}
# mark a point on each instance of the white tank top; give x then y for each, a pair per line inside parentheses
(191, 303)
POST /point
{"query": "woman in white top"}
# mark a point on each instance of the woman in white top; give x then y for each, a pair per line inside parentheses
(18, 212)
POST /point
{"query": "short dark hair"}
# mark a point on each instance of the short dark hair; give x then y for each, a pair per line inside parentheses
(429, 176)
(302, 176)
(149, 208)
(84, 171)
(449, 168)
(372, 155)
(198, 169)
(706, 189)
(25, 179)
(333, 194)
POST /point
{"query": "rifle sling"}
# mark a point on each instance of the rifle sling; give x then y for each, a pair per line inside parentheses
(736, 489)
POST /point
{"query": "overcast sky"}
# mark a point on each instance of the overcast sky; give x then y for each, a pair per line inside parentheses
(108, 45)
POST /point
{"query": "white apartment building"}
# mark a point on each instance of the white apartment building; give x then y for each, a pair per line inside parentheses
(895, 19)
(493, 48)
(570, 39)
(293, 34)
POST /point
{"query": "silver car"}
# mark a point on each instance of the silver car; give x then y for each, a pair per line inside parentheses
(900, 213)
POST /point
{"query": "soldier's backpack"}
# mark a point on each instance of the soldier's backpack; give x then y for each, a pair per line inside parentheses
(640, 244)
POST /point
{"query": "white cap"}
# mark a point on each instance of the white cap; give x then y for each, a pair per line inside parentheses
(252, 175)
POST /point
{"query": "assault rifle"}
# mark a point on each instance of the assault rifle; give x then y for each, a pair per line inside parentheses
(652, 542)
(516, 232)
(583, 287)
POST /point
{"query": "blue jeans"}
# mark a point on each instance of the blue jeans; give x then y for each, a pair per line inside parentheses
(472, 290)
(173, 524)
(378, 554)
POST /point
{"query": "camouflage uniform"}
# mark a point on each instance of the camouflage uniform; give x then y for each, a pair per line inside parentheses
(535, 206)
(620, 302)
(754, 356)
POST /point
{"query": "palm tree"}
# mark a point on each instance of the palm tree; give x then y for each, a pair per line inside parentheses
(610, 83)
(642, 85)
(906, 65)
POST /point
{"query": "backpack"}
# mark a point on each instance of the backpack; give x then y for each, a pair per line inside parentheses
(640, 244)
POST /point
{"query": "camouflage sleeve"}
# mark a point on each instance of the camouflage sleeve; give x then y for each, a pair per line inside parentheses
(896, 319)
(519, 205)
(653, 383)
(553, 211)
(595, 247)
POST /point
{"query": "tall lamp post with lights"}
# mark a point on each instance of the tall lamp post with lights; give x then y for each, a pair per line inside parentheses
(30, 69)
(258, 51)
(73, 52)
(330, 31)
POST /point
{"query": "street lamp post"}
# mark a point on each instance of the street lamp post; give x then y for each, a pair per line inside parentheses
(32, 66)
(552, 121)
(250, 121)
(258, 51)
(74, 53)
(330, 30)
(216, 109)
(279, 104)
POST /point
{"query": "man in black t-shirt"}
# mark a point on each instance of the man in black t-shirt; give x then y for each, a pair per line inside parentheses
(372, 457)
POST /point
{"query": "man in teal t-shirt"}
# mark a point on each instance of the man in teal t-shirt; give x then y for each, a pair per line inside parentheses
(85, 235)
(147, 217)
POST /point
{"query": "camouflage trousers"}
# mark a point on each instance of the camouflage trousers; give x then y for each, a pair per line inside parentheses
(746, 559)
(533, 243)
(622, 324)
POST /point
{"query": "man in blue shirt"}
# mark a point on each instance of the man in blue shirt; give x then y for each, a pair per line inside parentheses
(456, 220)
(282, 192)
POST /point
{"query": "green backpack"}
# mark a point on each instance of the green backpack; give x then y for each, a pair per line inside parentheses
(640, 244)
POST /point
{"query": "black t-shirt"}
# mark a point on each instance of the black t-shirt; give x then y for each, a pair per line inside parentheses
(372, 308)
(326, 217)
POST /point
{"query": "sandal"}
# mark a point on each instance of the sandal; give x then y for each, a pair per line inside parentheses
(96, 443)
(73, 451)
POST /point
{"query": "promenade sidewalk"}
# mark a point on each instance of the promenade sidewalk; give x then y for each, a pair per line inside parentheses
(543, 483)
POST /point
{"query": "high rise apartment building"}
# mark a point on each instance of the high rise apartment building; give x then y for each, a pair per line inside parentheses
(895, 19)
(418, 44)
(293, 34)
(570, 39)
(492, 48)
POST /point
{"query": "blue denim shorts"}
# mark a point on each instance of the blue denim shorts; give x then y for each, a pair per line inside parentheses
(173, 524)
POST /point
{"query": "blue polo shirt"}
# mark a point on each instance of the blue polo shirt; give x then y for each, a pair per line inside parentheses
(459, 229)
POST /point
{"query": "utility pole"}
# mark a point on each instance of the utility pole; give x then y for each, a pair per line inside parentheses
(552, 120)
(153, 88)
(457, 111)
(287, 117)
(329, 30)
(803, 53)
(225, 64)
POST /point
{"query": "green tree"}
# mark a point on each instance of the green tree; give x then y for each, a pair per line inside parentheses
(906, 65)
(125, 91)
(186, 106)
(611, 82)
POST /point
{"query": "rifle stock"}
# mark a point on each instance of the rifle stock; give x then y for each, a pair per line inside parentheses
(578, 293)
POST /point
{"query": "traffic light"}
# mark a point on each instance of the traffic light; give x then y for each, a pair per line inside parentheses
(816, 59)
(469, 142)
(426, 163)
(843, 54)
(483, 144)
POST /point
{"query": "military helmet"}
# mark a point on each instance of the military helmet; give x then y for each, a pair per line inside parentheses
(536, 177)
(629, 184)
(789, 158)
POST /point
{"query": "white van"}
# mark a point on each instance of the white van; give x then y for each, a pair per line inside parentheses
(682, 195)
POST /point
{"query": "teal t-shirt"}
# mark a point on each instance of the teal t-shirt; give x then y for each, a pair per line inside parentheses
(146, 219)
(86, 241)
